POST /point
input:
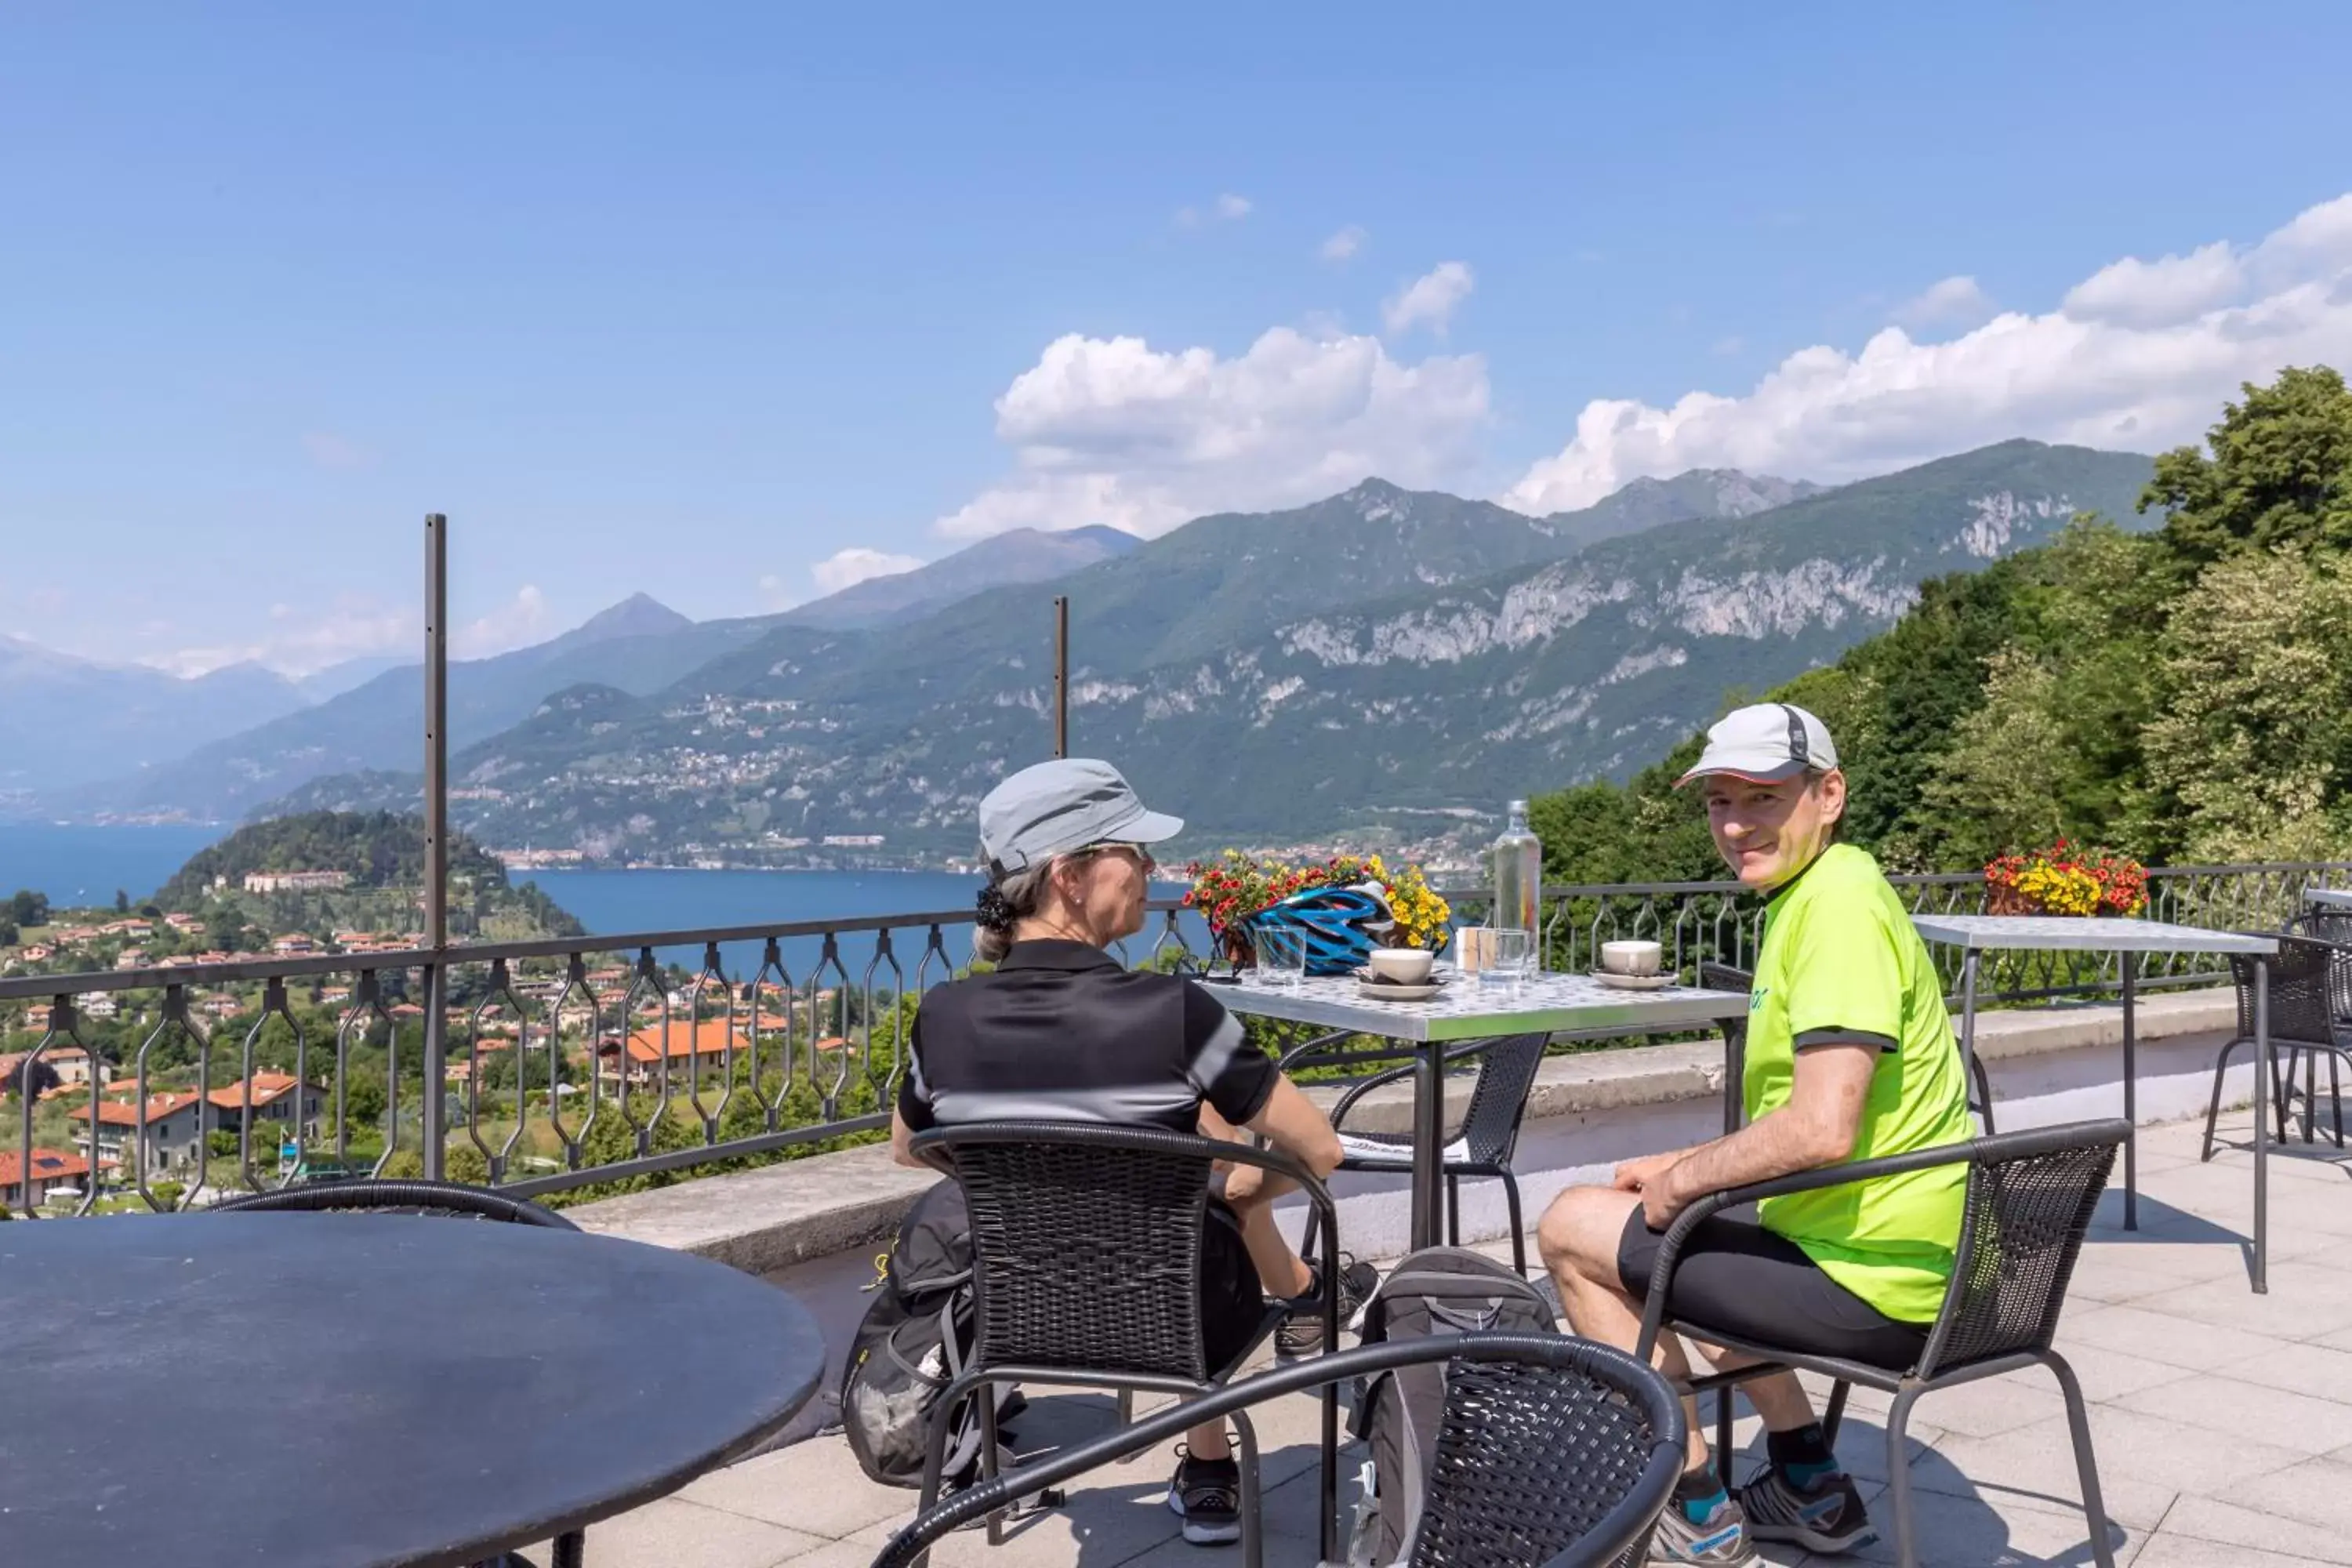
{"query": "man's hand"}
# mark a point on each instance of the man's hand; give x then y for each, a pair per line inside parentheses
(1662, 1198)
(1639, 1175)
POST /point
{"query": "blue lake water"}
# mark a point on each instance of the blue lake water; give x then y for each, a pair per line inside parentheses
(86, 865)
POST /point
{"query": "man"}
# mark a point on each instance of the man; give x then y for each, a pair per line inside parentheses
(1849, 1056)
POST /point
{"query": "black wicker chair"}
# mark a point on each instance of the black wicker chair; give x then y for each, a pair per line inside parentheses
(1723, 977)
(1482, 1148)
(2030, 1200)
(453, 1199)
(1553, 1452)
(450, 1199)
(2306, 979)
(1087, 1264)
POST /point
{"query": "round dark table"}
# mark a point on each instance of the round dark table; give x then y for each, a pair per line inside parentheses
(341, 1390)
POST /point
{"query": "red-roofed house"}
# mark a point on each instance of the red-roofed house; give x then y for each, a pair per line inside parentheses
(706, 1041)
(51, 1170)
(172, 1126)
(274, 1099)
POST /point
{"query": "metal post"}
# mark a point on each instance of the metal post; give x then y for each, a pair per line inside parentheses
(437, 834)
(1061, 677)
(2262, 1123)
(2131, 1091)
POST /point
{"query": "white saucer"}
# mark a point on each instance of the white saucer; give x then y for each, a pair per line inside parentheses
(1617, 981)
(1382, 991)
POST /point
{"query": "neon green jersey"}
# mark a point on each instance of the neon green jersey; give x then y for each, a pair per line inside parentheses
(1841, 962)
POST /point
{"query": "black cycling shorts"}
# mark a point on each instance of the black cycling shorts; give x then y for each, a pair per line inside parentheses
(1232, 1302)
(1736, 1276)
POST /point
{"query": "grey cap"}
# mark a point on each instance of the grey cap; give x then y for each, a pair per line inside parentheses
(1058, 806)
(1768, 743)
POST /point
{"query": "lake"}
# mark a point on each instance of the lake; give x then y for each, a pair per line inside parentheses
(86, 865)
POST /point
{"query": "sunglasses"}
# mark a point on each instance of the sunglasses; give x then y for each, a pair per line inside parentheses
(1142, 855)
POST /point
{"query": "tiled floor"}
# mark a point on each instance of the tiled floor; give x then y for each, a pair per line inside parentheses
(2223, 1422)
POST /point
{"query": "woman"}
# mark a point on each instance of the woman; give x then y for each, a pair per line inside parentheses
(1060, 1029)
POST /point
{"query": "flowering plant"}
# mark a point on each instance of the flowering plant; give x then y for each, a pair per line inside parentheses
(2065, 880)
(1233, 887)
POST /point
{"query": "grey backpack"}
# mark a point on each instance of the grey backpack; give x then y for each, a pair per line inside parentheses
(1437, 1291)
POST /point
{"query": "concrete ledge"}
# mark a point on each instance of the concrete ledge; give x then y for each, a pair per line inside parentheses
(768, 1219)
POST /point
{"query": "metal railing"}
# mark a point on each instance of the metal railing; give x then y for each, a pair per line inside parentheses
(792, 1042)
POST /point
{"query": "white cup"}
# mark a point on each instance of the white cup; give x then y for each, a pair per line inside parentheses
(1632, 957)
(1402, 965)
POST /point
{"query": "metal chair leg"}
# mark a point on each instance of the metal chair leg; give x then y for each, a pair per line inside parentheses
(1835, 1413)
(1723, 1412)
(1518, 1227)
(1898, 1477)
(2087, 1464)
(1984, 1090)
(1253, 1523)
(1452, 1209)
(2335, 1095)
(2213, 1106)
(987, 1396)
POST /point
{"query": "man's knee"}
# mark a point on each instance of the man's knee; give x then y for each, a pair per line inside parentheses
(1580, 1229)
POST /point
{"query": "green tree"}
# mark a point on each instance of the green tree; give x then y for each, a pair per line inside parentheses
(2278, 471)
(121, 901)
(2255, 738)
(29, 908)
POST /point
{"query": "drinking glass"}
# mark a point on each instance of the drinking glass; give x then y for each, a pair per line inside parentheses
(1506, 954)
(1281, 954)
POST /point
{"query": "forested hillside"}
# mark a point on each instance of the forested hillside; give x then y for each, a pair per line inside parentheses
(2184, 696)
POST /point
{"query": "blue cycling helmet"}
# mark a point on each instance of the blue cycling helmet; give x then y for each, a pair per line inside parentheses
(1336, 922)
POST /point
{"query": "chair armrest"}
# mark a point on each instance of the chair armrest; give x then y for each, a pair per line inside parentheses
(1363, 1087)
(1995, 1150)
(1604, 1543)
(1304, 1046)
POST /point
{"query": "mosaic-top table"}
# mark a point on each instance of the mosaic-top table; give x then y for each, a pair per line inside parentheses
(1976, 935)
(1471, 1009)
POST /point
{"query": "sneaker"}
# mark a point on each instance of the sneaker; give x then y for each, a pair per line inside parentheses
(1301, 1333)
(1720, 1540)
(1823, 1516)
(1207, 1496)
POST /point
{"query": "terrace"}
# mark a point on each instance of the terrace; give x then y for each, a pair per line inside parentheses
(803, 1024)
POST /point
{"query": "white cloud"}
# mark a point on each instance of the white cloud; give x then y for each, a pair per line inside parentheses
(1115, 431)
(329, 450)
(849, 567)
(1344, 243)
(1953, 300)
(1430, 297)
(298, 643)
(520, 622)
(2136, 293)
(1226, 208)
(2142, 367)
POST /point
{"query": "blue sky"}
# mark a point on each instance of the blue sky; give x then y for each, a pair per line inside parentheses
(694, 300)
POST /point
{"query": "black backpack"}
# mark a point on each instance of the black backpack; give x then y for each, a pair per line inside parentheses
(1437, 1291)
(912, 1342)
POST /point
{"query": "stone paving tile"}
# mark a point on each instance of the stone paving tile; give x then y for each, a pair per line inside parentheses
(2317, 1491)
(2135, 1330)
(2212, 1518)
(814, 1487)
(677, 1534)
(2167, 1550)
(2275, 1417)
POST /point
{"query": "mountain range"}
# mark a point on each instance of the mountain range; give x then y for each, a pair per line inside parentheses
(1383, 661)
